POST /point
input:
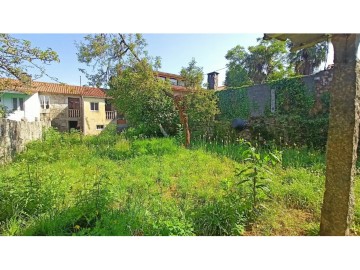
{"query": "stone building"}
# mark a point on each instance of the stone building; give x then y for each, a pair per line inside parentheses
(67, 107)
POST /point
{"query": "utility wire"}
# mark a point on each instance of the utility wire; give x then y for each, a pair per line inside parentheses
(216, 70)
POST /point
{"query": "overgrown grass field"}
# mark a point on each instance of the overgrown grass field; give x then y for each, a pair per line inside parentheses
(69, 184)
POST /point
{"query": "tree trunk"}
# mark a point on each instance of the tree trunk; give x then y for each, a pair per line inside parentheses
(183, 118)
(341, 151)
(163, 131)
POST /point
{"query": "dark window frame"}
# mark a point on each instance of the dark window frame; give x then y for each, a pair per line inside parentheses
(74, 103)
(15, 104)
(94, 106)
(21, 104)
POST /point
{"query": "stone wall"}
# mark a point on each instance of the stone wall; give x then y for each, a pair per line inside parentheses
(57, 112)
(14, 135)
(259, 96)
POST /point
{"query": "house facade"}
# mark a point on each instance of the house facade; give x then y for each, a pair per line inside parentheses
(67, 107)
(16, 102)
(177, 82)
(87, 109)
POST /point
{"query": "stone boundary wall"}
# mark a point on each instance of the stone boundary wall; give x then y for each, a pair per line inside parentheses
(260, 95)
(14, 135)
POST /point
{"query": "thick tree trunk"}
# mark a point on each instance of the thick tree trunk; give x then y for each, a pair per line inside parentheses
(337, 209)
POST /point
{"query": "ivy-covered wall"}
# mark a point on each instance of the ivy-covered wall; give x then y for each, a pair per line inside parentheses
(301, 109)
(234, 103)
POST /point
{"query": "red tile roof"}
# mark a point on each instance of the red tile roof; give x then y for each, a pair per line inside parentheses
(64, 89)
(169, 75)
(179, 88)
(54, 88)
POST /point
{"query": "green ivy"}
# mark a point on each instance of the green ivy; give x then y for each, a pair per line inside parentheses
(292, 96)
(234, 103)
(293, 121)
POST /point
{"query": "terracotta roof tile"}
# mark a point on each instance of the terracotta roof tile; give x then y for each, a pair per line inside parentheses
(64, 89)
(55, 88)
(168, 75)
(179, 88)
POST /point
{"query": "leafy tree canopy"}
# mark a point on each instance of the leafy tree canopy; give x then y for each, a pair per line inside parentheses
(271, 60)
(108, 54)
(263, 62)
(18, 59)
(267, 61)
(193, 75)
(142, 98)
(305, 61)
(202, 107)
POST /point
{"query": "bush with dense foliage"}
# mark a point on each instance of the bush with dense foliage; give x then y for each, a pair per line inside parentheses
(141, 97)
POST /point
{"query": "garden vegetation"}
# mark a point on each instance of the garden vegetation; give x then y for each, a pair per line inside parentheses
(69, 184)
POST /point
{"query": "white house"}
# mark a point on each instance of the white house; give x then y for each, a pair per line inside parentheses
(20, 105)
(67, 106)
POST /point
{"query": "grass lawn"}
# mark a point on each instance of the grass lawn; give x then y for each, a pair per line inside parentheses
(108, 185)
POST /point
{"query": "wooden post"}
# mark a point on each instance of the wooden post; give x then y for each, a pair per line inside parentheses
(341, 150)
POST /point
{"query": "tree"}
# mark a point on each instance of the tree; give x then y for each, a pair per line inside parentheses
(261, 63)
(121, 62)
(108, 54)
(236, 74)
(343, 134)
(145, 100)
(267, 61)
(18, 59)
(193, 75)
(237, 77)
(306, 60)
(198, 107)
(202, 106)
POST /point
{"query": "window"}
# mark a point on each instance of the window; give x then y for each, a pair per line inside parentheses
(108, 106)
(18, 104)
(21, 103)
(45, 102)
(74, 103)
(15, 104)
(99, 127)
(181, 83)
(173, 81)
(94, 106)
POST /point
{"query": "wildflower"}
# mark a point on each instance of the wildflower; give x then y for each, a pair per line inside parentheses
(77, 227)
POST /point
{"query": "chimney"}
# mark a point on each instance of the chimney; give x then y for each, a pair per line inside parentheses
(213, 80)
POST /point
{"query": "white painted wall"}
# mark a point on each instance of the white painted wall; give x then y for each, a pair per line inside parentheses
(15, 115)
(32, 108)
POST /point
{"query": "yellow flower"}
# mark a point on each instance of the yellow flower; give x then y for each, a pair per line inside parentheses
(77, 227)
